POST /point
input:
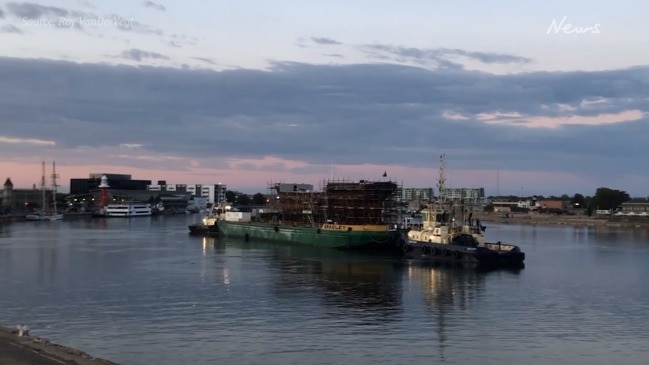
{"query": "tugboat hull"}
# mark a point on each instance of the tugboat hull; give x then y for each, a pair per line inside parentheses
(200, 228)
(488, 254)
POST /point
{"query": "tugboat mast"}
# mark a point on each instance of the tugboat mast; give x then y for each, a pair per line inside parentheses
(442, 181)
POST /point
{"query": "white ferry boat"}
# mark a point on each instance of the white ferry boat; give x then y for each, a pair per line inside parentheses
(128, 209)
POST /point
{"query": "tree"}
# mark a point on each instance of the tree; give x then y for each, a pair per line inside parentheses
(230, 196)
(259, 199)
(606, 198)
(578, 201)
(243, 199)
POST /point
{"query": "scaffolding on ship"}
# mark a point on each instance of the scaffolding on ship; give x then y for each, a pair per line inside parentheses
(343, 202)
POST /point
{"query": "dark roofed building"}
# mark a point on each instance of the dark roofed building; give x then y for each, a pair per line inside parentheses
(116, 182)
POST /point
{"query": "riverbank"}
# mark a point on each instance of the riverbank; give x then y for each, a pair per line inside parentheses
(29, 350)
(574, 220)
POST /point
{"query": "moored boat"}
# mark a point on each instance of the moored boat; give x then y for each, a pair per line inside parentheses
(127, 209)
(343, 215)
(44, 217)
(46, 214)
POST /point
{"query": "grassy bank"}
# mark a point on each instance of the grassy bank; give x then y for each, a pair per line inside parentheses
(575, 220)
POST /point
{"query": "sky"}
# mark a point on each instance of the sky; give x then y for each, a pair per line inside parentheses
(522, 97)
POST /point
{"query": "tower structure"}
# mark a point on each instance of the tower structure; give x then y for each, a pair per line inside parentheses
(103, 192)
(8, 195)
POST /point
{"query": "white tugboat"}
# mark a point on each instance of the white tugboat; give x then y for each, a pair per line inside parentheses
(441, 237)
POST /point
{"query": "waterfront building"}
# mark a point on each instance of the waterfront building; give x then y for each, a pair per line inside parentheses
(466, 195)
(22, 200)
(116, 181)
(215, 193)
(417, 194)
(636, 207)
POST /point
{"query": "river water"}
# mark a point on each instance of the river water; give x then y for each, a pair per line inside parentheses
(143, 291)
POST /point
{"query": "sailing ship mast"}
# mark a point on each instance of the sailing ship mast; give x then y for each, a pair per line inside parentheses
(44, 204)
(54, 185)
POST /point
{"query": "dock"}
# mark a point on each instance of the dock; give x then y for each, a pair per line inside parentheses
(29, 350)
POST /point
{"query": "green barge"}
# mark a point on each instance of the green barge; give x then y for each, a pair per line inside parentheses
(326, 235)
(344, 214)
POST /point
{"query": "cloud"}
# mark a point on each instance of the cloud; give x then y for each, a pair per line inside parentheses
(36, 11)
(29, 141)
(325, 41)
(374, 115)
(152, 5)
(568, 119)
(2, 14)
(9, 28)
(87, 4)
(138, 54)
(179, 40)
(131, 145)
(441, 57)
(206, 60)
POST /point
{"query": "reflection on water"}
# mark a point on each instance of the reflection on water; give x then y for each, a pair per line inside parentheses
(143, 291)
(449, 291)
(345, 282)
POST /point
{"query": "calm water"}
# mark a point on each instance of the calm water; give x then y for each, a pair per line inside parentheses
(143, 291)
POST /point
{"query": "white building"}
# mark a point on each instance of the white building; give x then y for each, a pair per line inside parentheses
(417, 194)
(466, 195)
(215, 194)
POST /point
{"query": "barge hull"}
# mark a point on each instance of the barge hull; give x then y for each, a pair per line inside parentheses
(310, 236)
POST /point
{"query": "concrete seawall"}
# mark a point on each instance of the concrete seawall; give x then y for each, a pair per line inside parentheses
(29, 350)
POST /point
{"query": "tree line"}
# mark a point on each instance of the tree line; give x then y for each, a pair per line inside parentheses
(235, 197)
(603, 199)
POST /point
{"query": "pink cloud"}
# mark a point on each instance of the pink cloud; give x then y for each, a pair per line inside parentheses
(548, 122)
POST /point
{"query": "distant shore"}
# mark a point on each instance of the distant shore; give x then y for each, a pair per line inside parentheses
(15, 350)
(22, 217)
(574, 220)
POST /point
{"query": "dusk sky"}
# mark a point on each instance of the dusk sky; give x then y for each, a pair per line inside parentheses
(538, 97)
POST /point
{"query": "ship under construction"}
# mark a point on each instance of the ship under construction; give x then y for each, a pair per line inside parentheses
(342, 214)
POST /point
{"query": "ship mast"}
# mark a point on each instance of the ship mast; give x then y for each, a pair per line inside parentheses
(54, 186)
(43, 209)
(442, 181)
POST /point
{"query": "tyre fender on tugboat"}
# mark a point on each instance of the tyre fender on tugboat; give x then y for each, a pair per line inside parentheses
(403, 244)
(404, 247)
